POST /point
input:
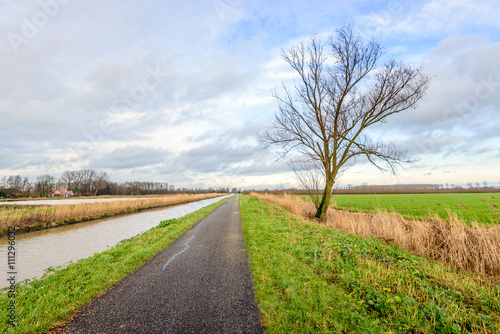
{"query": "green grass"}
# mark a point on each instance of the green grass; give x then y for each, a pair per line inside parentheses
(482, 208)
(18, 210)
(311, 279)
(59, 293)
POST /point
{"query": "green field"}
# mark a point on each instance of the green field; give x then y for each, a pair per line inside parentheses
(482, 208)
(7, 210)
(312, 279)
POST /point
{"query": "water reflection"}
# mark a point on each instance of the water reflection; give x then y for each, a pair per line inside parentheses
(36, 251)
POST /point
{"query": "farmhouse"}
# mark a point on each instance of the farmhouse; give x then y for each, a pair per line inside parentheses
(61, 193)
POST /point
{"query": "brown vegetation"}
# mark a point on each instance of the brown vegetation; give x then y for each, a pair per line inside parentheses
(49, 216)
(475, 248)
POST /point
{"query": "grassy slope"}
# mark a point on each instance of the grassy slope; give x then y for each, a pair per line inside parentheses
(54, 297)
(479, 207)
(311, 279)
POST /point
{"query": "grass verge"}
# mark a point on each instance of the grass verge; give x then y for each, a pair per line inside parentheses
(475, 248)
(27, 218)
(42, 303)
(312, 279)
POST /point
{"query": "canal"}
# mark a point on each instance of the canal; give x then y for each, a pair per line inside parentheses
(39, 250)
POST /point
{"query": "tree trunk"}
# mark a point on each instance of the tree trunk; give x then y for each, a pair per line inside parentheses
(325, 200)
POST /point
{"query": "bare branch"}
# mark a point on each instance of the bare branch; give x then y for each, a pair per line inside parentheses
(323, 117)
(310, 177)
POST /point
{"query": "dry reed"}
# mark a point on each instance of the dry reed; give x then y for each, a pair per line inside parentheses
(475, 248)
(48, 216)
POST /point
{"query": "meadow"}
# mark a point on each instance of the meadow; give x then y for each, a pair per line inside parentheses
(471, 247)
(310, 278)
(469, 207)
(26, 218)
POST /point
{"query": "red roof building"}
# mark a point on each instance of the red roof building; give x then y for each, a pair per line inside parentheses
(61, 193)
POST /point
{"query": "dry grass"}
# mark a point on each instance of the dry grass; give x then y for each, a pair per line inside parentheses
(475, 248)
(48, 216)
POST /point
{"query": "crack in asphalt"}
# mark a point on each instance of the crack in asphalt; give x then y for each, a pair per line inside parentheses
(185, 244)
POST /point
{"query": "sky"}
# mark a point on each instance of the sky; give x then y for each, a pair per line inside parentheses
(177, 91)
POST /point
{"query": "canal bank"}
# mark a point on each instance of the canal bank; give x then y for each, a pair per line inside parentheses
(26, 218)
(39, 250)
(53, 298)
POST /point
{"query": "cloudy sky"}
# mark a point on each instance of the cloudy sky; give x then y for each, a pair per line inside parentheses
(176, 91)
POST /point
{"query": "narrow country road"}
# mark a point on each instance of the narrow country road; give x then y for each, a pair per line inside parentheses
(201, 284)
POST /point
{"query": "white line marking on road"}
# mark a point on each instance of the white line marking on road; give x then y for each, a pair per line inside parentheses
(185, 244)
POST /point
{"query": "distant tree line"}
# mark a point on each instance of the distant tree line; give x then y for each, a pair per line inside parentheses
(416, 186)
(88, 182)
(391, 188)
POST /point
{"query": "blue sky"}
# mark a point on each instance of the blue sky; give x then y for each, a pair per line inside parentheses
(177, 91)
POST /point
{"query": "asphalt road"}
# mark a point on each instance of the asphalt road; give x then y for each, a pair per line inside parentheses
(206, 288)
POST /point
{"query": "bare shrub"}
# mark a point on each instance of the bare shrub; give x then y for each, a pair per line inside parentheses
(311, 178)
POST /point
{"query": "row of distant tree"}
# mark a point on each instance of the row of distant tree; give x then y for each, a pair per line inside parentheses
(89, 182)
(417, 186)
(390, 189)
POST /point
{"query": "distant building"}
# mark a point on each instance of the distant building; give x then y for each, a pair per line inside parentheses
(61, 193)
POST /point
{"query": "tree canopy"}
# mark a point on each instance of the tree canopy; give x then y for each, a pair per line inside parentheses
(342, 89)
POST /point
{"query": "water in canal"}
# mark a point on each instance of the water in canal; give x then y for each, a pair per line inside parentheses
(39, 250)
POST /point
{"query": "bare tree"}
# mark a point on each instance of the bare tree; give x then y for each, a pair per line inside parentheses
(67, 180)
(87, 177)
(15, 183)
(100, 181)
(83, 181)
(342, 90)
(44, 184)
(26, 186)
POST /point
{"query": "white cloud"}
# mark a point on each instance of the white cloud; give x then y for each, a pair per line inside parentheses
(414, 21)
(180, 89)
